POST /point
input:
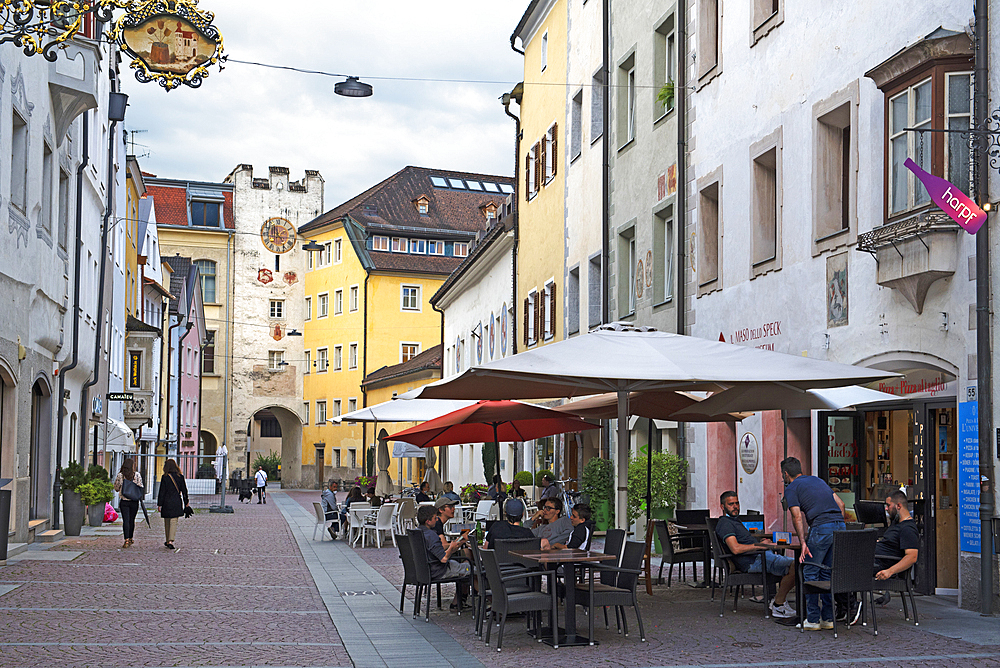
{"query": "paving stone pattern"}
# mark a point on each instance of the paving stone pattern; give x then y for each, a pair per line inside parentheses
(237, 592)
(683, 628)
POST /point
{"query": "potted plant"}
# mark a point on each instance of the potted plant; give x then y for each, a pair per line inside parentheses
(598, 483)
(96, 494)
(540, 474)
(71, 478)
(472, 493)
(666, 95)
(669, 472)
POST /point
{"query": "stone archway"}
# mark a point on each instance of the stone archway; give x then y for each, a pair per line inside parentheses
(277, 429)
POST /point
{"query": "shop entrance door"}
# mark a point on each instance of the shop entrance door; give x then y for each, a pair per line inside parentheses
(840, 461)
(943, 474)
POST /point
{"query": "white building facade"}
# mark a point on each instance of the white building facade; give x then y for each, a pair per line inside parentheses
(809, 236)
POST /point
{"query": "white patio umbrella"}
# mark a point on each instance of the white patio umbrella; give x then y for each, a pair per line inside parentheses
(403, 410)
(766, 397)
(383, 483)
(623, 359)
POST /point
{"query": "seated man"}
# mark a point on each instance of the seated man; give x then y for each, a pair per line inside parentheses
(439, 559)
(422, 495)
(445, 512)
(510, 525)
(449, 492)
(747, 554)
(583, 529)
(900, 544)
(550, 489)
(498, 490)
(552, 526)
(329, 500)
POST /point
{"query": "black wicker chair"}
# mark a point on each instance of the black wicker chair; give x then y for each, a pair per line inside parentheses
(903, 584)
(674, 555)
(508, 602)
(422, 571)
(850, 572)
(593, 595)
(732, 576)
(409, 570)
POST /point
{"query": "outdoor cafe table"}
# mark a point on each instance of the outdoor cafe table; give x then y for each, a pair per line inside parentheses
(568, 559)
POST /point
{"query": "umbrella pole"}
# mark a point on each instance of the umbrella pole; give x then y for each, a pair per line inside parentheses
(784, 423)
(621, 512)
(496, 445)
(649, 472)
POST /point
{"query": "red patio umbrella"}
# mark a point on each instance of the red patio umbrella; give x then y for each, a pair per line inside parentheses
(492, 422)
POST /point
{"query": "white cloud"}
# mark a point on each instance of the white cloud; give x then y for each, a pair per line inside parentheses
(249, 114)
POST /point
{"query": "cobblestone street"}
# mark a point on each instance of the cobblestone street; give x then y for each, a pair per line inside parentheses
(253, 588)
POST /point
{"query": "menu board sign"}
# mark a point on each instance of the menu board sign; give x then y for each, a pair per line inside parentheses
(968, 476)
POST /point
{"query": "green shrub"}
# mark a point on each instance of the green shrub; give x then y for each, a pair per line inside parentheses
(473, 493)
(598, 480)
(96, 472)
(489, 462)
(72, 476)
(539, 474)
(96, 492)
(269, 463)
(523, 477)
(669, 472)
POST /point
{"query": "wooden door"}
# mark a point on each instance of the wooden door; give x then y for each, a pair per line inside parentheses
(944, 438)
(320, 466)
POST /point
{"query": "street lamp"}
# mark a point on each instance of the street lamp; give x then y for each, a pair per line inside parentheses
(293, 332)
(353, 88)
(116, 106)
(313, 246)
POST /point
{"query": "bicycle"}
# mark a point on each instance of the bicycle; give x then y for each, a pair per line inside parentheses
(569, 498)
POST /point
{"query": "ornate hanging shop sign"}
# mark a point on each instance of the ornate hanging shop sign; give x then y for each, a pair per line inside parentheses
(171, 42)
(44, 26)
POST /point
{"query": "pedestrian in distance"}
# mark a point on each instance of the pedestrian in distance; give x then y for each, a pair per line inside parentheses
(128, 507)
(172, 501)
(261, 477)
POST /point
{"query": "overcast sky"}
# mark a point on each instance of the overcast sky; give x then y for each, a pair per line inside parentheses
(249, 114)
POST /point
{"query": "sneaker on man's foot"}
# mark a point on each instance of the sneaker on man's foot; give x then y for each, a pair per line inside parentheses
(783, 611)
(811, 626)
(826, 624)
(856, 616)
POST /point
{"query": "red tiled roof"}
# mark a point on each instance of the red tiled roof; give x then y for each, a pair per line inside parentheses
(429, 359)
(430, 264)
(171, 205)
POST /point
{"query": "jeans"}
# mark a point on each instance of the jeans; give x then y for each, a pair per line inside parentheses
(820, 544)
(777, 564)
(128, 510)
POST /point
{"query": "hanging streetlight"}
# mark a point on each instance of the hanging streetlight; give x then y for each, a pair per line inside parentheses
(353, 88)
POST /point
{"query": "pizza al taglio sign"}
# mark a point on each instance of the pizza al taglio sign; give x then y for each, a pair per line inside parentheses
(171, 42)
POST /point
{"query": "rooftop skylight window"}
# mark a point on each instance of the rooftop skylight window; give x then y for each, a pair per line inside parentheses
(439, 182)
(456, 183)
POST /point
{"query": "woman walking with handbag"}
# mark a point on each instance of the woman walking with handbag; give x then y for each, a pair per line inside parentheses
(128, 483)
(172, 502)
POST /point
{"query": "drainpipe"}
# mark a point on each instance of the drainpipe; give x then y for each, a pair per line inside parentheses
(95, 374)
(77, 314)
(680, 94)
(364, 373)
(605, 191)
(517, 94)
(984, 363)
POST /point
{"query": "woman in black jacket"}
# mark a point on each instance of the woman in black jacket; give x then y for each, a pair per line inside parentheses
(172, 500)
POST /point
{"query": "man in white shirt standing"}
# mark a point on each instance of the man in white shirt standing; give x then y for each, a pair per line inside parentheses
(261, 477)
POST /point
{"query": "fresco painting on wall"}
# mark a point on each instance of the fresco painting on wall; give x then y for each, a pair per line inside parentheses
(836, 290)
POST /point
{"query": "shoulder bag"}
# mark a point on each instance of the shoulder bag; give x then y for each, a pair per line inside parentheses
(132, 491)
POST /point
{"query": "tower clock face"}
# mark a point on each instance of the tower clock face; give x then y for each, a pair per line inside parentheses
(277, 235)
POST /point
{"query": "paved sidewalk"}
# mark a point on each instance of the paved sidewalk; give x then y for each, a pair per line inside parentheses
(237, 592)
(364, 605)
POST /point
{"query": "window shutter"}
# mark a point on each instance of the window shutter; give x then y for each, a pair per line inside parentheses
(552, 309)
(538, 173)
(527, 175)
(553, 148)
(544, 158)
(538, 317)
(527, 305)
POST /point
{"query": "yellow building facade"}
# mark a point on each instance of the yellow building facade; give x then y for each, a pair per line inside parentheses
(134, 190)
(541, 192)
(384, 254)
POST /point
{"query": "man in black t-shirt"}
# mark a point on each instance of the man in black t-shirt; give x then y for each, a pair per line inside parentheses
(900, 544)
(510, 526)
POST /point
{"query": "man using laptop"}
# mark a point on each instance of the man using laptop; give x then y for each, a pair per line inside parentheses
(748, 555)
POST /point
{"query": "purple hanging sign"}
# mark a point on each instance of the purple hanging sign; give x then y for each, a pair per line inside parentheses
(952, 201)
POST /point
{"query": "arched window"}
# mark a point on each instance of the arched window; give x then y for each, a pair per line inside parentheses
(207, 270)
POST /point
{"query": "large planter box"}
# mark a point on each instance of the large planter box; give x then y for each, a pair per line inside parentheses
(73, 510)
